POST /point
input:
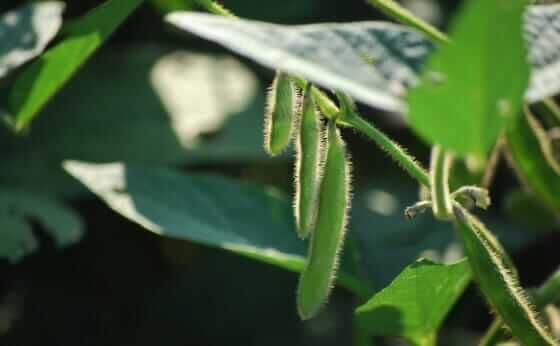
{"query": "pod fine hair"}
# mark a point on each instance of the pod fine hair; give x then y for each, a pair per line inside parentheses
(327, 239)
(280, 116)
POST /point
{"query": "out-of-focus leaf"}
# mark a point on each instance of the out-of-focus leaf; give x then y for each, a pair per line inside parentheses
(528, 160)
(471, 89)
(210, 210)
(147, 104)
(26, 31)
(525, 207)
(389, 242)
(42, 79)
(18, 207)
(415, 304)
(372, 61)
(337, 56)
(542, 32)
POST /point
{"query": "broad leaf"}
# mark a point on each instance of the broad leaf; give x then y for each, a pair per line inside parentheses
(212, 111)
(386, 240)
(473, 87)
(210, 210)
(18, 207)
(415, 304)
(42, 79)
(26, 31)
(373, 61)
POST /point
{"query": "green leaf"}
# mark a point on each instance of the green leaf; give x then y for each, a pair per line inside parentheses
(529, 161)
(26, 31)
(374, 62)
(17, 207)
(206, 209)
(416, 303)
(85, 123)
(42, 79)
(472, 88)
(333, 55)
(497, 278)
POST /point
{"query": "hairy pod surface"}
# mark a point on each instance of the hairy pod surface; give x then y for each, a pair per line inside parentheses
(328, 236)
(497, 279)
(279, 117)
(308, 165)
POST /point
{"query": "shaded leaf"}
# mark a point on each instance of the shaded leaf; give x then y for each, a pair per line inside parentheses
(472, 89)
(26, 31)
(42, 79)
(416, 303)
(206, 209)
(18, 207)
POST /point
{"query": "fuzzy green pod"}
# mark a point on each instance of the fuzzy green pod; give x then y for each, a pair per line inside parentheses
(279, 117)
(498, 281)
(308, 165)
(327, 238)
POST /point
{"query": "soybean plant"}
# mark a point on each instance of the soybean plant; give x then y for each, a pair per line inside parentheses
(323, 177)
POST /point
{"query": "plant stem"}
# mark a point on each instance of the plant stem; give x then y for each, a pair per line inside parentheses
(548, 293)
(550, 112)
(440, 166)
(397, 153)
(404, 16)
(215, 8)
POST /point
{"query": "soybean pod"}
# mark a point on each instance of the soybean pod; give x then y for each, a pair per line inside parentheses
(308, 165)
(279, 117)
(497, 279)
(327, 238)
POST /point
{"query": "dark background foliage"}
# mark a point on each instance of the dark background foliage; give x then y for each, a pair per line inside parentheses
(124, 286)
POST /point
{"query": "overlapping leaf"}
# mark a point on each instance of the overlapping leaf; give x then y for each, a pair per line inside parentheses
(374, 62)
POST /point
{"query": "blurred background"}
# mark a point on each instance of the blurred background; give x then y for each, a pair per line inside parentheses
(152, 95)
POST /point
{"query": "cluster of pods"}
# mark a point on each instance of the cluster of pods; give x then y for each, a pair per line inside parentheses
(322, 183)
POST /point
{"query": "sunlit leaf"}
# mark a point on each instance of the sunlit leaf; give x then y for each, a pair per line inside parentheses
(373, 61)
(416, 303)
(471, 89)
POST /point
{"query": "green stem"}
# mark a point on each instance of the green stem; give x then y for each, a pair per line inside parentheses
(397, 153)
(404, 16)
(440, 166)
(215, 8)
(548, 293)
(550, 112)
